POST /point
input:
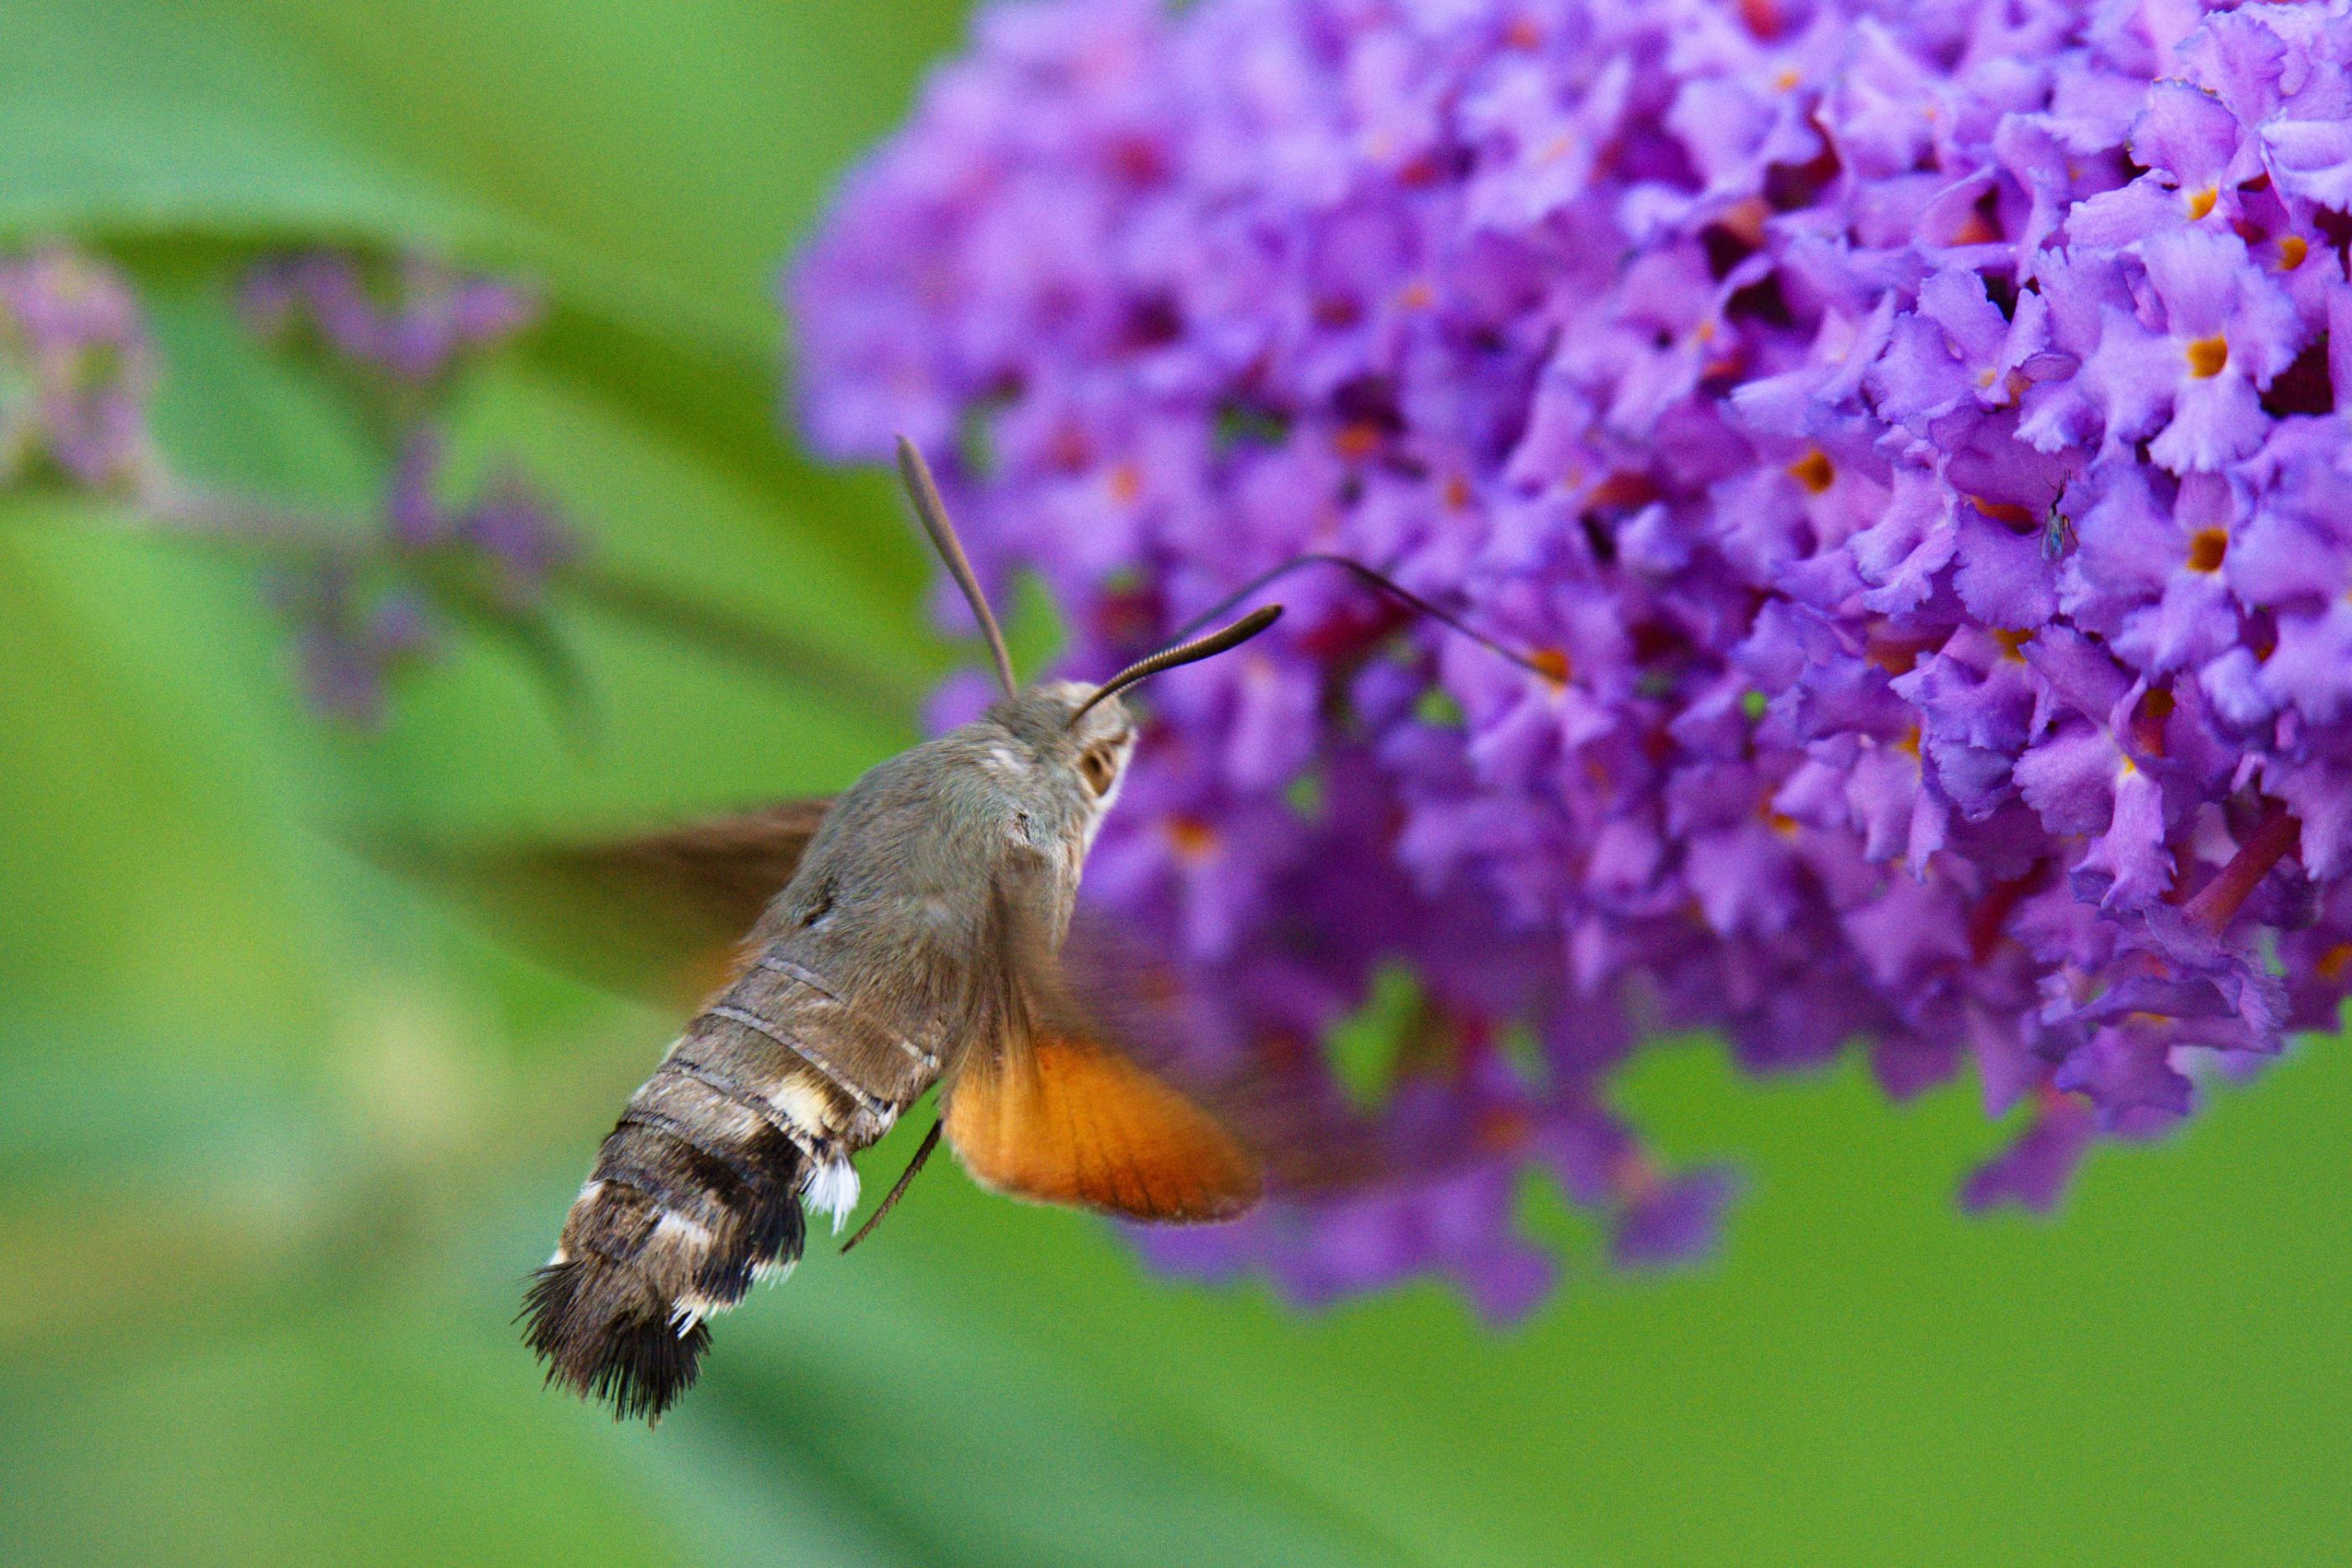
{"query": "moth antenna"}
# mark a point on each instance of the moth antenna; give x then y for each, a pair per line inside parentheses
(1387, 585)
(1199, 648)
(917, 475)
(891, 1198)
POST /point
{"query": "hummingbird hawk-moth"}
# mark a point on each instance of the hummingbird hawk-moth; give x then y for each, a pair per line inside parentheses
(907, 934)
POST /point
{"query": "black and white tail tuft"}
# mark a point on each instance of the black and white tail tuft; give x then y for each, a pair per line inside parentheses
(607, 1337)
(692, 1200)
(696, 1193)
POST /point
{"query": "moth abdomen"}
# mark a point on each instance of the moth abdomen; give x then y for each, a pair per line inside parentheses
(696, 1196)
(697, 1192)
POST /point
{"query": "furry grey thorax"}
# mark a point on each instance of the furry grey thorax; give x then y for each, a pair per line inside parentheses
(903, 866)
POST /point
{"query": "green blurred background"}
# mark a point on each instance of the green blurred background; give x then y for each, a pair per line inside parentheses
(280, 1137)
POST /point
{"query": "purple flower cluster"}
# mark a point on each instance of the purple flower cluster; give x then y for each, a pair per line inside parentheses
(413, 318)
(1906, 434)
(76, 371)
(407, 324)
(361, 619)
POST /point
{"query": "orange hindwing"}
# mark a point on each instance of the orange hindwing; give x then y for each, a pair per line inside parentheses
(1060, 1119)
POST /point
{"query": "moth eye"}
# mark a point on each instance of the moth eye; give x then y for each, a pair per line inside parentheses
(1095, 769)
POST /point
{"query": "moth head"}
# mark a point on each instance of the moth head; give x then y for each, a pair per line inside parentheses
(1072, 761)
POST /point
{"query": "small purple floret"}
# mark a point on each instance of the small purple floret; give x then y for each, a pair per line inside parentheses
(412, 320)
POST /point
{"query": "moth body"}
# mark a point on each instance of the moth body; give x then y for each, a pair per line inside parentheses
(916, 940)
(864, 982)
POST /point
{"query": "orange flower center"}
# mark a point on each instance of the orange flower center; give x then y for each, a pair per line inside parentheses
(1193, 838)
(1976, 229)
(2207, 549)
(2207, 355)
(1814, 471)
(2201, 202)
(1894, 658)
